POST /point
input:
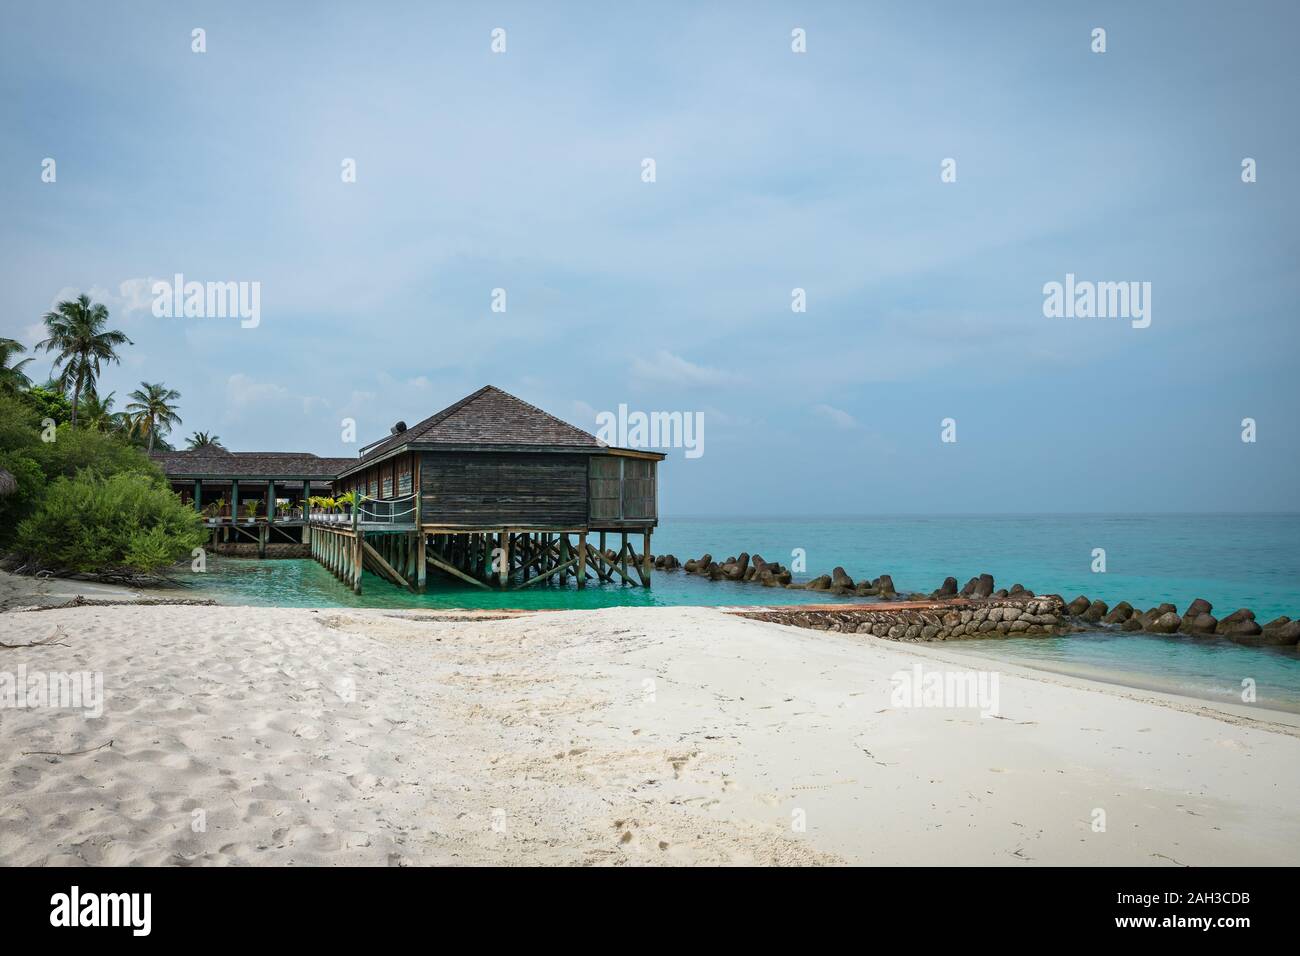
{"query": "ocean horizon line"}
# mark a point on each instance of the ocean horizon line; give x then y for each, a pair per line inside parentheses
(791, 516)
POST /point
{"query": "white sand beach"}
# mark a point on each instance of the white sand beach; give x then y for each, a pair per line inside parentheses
(18, 590)
(625, 736)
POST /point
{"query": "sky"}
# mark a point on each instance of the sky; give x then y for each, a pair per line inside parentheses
(774, 170)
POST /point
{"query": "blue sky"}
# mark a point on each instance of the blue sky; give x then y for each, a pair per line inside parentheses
(775, 170)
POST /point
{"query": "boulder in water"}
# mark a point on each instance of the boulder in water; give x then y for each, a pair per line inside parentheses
(1095, 612)
(1120, 613)
(1077, 606)
(1193, 614)
(1166, 623)
(1281, 632)
(1239, 616)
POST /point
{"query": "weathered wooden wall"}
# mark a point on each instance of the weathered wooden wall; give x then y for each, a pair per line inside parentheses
(499, 489)
(622, 490)
(639, 489)
(606, 493)
(391, 478)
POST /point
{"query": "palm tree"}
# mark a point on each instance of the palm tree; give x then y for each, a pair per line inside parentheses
(151, 412)
(13, 375)
(97, 413)
(76, 331)
(202, 440)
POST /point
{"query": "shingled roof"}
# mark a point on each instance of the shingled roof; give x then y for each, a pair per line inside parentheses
(489, 418)
(249, 464)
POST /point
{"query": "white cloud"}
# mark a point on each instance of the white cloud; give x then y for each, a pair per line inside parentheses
(836, 416)
(136, 295)
(312, 402)
(243, 392)
(133, 295)
(675, 370)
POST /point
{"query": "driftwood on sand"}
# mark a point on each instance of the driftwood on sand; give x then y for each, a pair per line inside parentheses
(80, 601)
(47, 641)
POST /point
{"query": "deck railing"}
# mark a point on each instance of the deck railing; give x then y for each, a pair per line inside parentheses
(223, 516)
(387, 510)
(370, 511)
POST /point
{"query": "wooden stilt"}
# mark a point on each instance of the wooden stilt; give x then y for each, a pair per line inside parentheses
(456, 572)
(645, 560)
(421, 568)
(558, 569)
(505, 557)
(582, 560)
(358, 542)
(388, 570)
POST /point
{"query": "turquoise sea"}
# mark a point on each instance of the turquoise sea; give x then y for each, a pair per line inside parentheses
(1230, 560)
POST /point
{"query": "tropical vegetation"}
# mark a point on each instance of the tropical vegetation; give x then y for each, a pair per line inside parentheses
(12, 374)
(151, 410)
(97, 413)
(88, 499)
(123, 523)
(202, 440)
(78, 336)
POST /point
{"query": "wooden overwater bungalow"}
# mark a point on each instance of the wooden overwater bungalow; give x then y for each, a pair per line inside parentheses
(491, 491)
(494, 492)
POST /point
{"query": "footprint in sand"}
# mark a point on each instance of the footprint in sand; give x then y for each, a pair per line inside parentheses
(683, 762)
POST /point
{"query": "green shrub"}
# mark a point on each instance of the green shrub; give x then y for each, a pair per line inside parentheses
(129, 522)
(20, 426)
(86, 501)
(20, 436)
(75, 449)
(47, 401)
(31, 486)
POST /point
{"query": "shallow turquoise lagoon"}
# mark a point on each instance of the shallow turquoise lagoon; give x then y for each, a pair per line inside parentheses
(1231, 560)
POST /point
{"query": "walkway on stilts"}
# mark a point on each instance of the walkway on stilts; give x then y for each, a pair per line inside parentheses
(384, 537)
